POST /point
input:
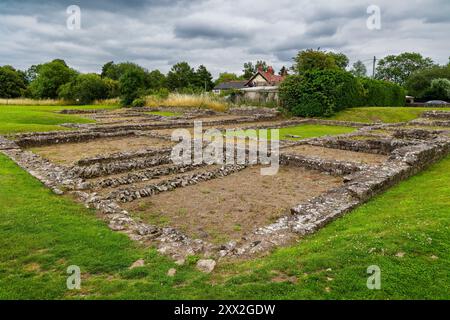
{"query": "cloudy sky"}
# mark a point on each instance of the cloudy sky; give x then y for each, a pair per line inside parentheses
(221, 34)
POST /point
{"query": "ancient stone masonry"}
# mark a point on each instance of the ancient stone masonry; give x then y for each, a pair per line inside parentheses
(147, 174)
(440, 115)
(110, 182)
(101, 169)
(67, 137)
(338, 168)
(131, 194)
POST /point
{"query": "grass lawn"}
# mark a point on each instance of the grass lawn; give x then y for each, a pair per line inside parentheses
(304, 131)
(404, 231)
(15, 119)
(383, 114)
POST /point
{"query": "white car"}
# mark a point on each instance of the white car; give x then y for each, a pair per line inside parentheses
(436, 102)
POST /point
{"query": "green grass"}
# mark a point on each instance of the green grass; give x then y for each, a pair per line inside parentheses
(16, 119)
(165, 113)
(383, 114)
(41, 234)
(304, 131)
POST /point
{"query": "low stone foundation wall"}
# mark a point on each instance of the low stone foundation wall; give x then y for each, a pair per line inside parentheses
(337, 168)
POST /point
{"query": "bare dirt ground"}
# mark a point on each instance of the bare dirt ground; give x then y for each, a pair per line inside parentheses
(223, 209)
(336, 154)
(70, 153)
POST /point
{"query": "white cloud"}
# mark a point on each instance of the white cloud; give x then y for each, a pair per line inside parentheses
(217, 33)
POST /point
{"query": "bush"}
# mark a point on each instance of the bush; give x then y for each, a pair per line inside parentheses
(378, 93)
(324, 92)
(131, 86)
(419, 83)
(84, 89)
(439, 90)
(50, 76)
(12, 84)
(320, 93)
(138, 103)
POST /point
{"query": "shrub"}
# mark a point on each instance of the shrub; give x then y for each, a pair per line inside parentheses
(381, 93)
(320, 92)
(12, 84)
(50, 76)
(131, 86)
(439, 90)
(138, 103)
(84, 89)
(419, 83)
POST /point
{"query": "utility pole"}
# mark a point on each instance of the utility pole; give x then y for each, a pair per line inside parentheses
(374, 66)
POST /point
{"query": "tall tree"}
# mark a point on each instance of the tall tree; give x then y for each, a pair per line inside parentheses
(250, 69)
(226, 77)
(359, 69)
(419, 82)
(203, 79)
(341, 59)
(50, 76)
(131, 85)
(156, 80)
(115, 71)
(12, 83)
(310, 59)
(107, 70)
(181, 76)
(399, 68)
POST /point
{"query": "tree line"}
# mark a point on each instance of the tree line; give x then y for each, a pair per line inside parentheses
(419, 75)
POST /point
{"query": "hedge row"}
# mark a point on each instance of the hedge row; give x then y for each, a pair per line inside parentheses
(322, 93)
(379, 93)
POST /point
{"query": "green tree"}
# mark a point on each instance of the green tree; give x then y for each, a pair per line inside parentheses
(50, 76)
(115, 71)
(250, 69)
(399, 68)
(109, 70)
(359, 69)
(203, 79)
(420, 82)
(131, 85)
(226, 77)
(113, 87)
(340, 59)
(156, 80)
(84, 89)
(180, 76)
(307, 60)
(439, 90)
(31, 73)
(12, 83)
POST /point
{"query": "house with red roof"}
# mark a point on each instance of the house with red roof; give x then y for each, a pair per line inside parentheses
(265, 78)
(260, 79)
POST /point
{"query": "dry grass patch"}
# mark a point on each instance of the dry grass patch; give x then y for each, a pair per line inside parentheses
(226, 208)
(336, 154)
(70, 153)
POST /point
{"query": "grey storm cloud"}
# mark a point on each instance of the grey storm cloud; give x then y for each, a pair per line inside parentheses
(221, 34)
